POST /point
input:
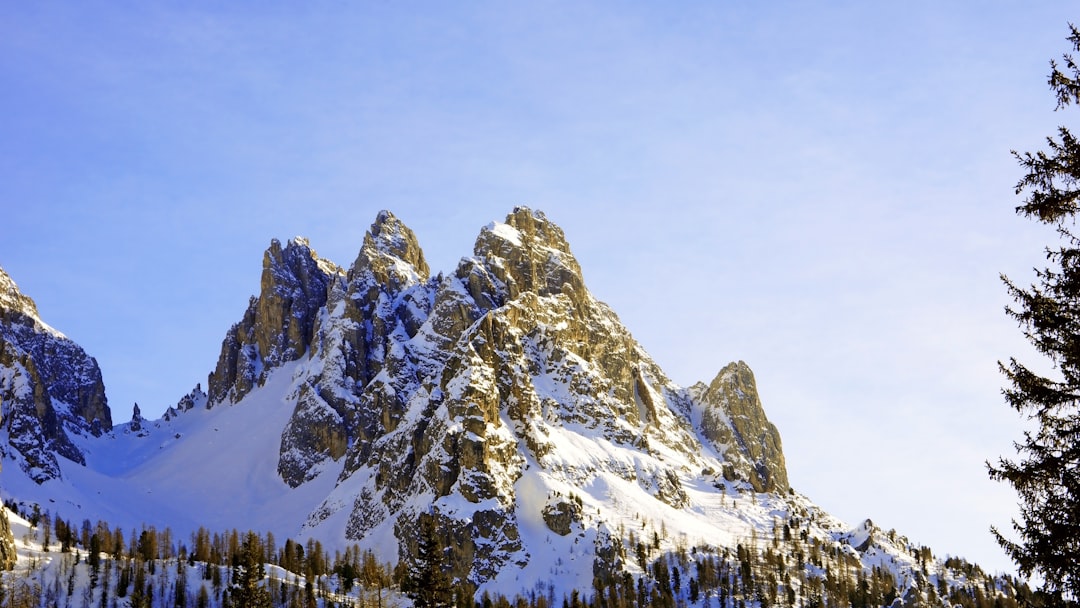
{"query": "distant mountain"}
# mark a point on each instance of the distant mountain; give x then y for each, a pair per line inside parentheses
(502, 399)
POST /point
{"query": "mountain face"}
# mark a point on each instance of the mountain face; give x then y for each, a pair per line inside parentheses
(440, 393)
(50, 388)
(500, 399)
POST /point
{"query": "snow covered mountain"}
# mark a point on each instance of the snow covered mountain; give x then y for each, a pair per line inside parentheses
(502, 399)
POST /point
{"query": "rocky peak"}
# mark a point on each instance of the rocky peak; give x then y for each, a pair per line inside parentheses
(293, 289)
(391, 253)
(526, 253)
(49, 386)
(11, 299)
(370, 317)
(733, 414)
(137, 420)
(279, 324)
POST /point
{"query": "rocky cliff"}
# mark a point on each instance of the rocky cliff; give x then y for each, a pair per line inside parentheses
(278, 324)
(50, 389)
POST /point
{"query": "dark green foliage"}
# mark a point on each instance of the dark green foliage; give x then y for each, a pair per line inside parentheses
(428, 582)
(1047, 475)
(248, 572)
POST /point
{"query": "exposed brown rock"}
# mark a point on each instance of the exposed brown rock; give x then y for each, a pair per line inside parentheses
(734, 415)
(278, 324)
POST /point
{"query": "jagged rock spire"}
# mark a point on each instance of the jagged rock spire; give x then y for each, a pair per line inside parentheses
(136, 419)
(363, 351)
(278, 324)
(387, 244)
(733, 415)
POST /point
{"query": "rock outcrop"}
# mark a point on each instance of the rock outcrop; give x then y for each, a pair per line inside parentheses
(49, 386)
(733, 416)
(197, 398)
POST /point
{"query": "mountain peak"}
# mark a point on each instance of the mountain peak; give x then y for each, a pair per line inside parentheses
(13, 299)
(278, 324)
(49, 386)
(529, 253)
(528, 228)
(391, 252)
(734, 415)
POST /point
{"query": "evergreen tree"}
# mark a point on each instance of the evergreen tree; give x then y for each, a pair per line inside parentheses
(202, 598)
(429, 584)
(248, 572)
(1047, 475)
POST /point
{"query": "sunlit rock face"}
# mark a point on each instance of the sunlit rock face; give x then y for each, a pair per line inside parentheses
(278, 324)
(733, 415)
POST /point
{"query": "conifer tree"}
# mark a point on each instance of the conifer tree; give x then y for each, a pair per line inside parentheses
(1046, 476)
(248, 572)
(429, 584)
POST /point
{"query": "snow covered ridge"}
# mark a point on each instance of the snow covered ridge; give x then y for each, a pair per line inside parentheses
(501, 400)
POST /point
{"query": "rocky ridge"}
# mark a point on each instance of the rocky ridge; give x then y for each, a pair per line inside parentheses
(51, 389)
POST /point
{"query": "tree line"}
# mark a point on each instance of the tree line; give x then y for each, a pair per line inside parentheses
(95, 565)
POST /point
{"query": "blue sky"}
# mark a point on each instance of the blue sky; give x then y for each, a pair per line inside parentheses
(823, 190)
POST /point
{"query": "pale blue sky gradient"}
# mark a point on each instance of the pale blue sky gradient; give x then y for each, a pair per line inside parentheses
(822, 191)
